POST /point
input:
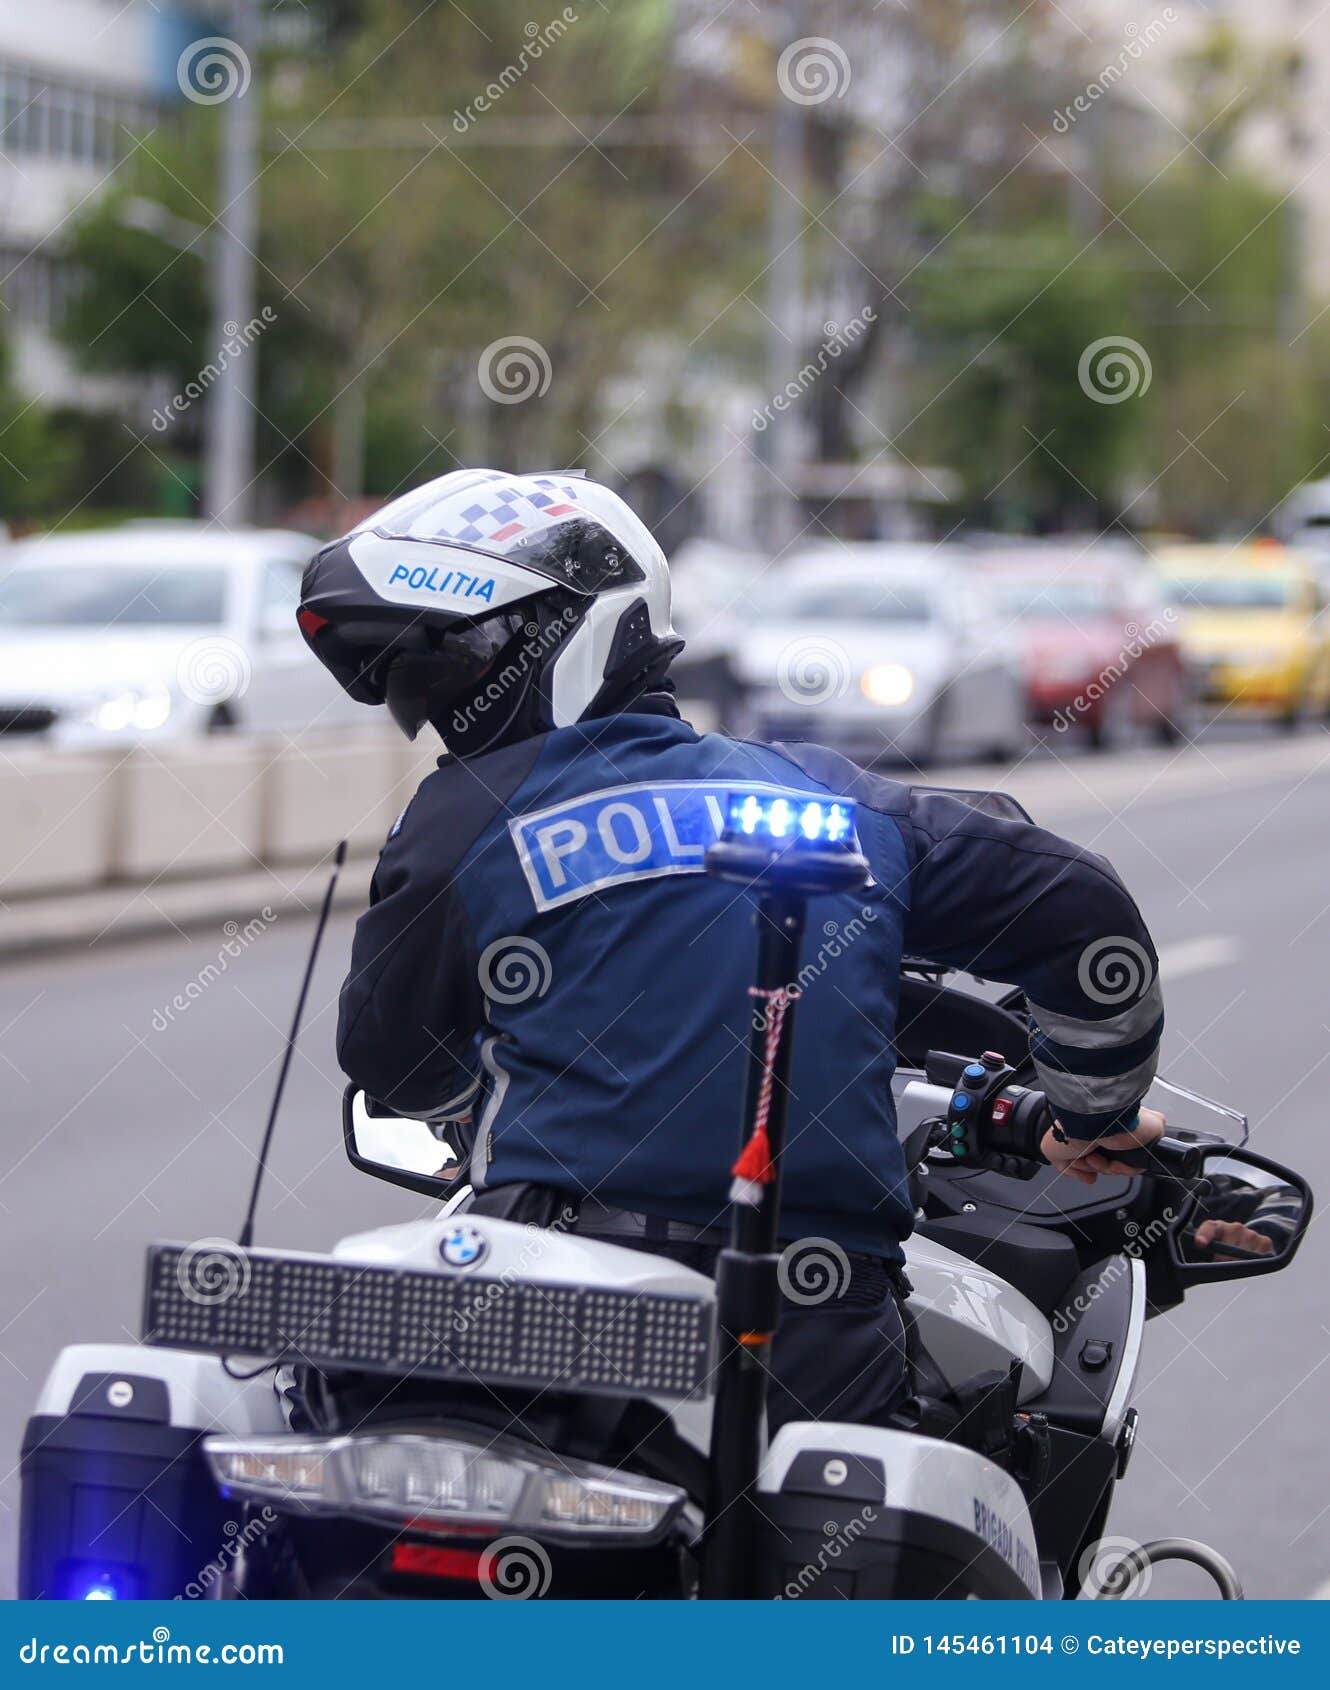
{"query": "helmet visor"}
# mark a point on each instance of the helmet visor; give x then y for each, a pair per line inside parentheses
(423, 686)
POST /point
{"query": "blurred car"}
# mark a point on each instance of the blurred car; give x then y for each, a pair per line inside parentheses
(1099, 648)
(712, 590)
(1253, 627)
(157, 630)
(881, 651)
(1303, 521)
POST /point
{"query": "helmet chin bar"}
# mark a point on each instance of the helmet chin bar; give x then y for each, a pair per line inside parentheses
(605, 658)
(510, 699)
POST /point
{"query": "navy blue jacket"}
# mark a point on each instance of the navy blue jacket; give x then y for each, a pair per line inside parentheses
(543, 947)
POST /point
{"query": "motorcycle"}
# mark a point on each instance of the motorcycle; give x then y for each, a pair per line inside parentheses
(464, 1406)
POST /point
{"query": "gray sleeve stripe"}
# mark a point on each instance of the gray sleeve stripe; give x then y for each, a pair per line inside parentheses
(1097, 1094)
(457, 1105)
(1131, 1023)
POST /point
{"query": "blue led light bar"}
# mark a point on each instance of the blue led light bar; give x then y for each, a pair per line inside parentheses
(793, 820)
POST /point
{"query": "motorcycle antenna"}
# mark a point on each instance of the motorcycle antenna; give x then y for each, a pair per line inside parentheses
(246, 1238)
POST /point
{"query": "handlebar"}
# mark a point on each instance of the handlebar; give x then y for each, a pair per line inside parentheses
(1000, 1125)
(1167, 1158)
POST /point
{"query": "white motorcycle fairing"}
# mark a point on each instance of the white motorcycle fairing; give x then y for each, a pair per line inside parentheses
(900, 1493)
(969, 1319)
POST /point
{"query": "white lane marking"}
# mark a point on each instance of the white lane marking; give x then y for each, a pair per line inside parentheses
(1194, 956)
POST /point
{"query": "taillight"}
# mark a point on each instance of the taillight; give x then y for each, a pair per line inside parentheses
(430, 1561)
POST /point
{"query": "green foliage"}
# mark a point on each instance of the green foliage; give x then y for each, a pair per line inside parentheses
(430, 186)
(35, 455)
(406, 225)
(1006, 321)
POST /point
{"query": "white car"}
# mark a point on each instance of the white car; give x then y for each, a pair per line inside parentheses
(157, 631)
(882, 651)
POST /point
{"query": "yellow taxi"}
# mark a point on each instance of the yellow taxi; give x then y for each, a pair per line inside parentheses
(1254, 629)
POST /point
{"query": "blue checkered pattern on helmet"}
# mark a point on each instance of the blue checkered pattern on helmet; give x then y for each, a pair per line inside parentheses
(562, 489)
(477, 514)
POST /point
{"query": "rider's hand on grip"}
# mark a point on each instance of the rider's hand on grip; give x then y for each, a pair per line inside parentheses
(1085, 1160)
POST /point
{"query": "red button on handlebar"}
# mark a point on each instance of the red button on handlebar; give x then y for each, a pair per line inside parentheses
(1001, 1109)
(993, 1059)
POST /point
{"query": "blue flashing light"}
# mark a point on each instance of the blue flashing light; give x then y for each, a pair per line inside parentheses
(92, 1581)
(792, 819)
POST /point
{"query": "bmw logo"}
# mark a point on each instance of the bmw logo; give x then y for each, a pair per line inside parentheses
(463, 1247)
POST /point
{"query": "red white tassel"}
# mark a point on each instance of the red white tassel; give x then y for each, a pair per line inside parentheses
(754, 1169)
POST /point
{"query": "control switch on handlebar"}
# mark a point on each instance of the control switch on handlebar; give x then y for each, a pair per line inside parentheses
(990, 1122)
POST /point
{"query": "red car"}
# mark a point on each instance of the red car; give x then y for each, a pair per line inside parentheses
(1099, 647)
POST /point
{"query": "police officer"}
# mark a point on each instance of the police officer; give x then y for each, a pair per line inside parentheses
(545, 963)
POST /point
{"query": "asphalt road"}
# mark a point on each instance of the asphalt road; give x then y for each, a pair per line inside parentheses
(127, 1120)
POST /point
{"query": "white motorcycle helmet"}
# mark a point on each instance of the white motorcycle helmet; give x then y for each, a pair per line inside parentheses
(494, 606)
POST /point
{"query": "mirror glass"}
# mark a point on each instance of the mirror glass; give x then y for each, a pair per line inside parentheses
(1240, 1214)
(403, 1145)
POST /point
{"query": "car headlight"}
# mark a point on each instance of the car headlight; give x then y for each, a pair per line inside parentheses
(140, 709)
(445, 1483)
(887, 684)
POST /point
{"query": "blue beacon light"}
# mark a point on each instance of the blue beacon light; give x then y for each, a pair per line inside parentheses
(789, 819)
(793, 843)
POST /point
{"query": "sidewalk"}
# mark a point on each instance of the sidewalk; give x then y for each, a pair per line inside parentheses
(110, 914)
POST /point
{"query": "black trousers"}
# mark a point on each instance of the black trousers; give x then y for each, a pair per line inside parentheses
(841, 1357)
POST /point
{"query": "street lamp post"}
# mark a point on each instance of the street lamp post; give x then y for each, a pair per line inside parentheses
(229, 452)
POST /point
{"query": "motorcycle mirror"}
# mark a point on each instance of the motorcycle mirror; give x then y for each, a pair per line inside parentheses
(399, 1149)
(1243, 1215)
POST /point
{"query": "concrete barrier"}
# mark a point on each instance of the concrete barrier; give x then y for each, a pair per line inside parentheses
(191, 808)
(329, 788)
(74, 821)
(56, 820)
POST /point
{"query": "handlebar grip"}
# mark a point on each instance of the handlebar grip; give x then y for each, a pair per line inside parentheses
(1169, 1158)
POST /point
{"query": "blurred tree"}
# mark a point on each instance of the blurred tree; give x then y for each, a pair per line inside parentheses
(444, 225)
(1010, 317)
(35, 454)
